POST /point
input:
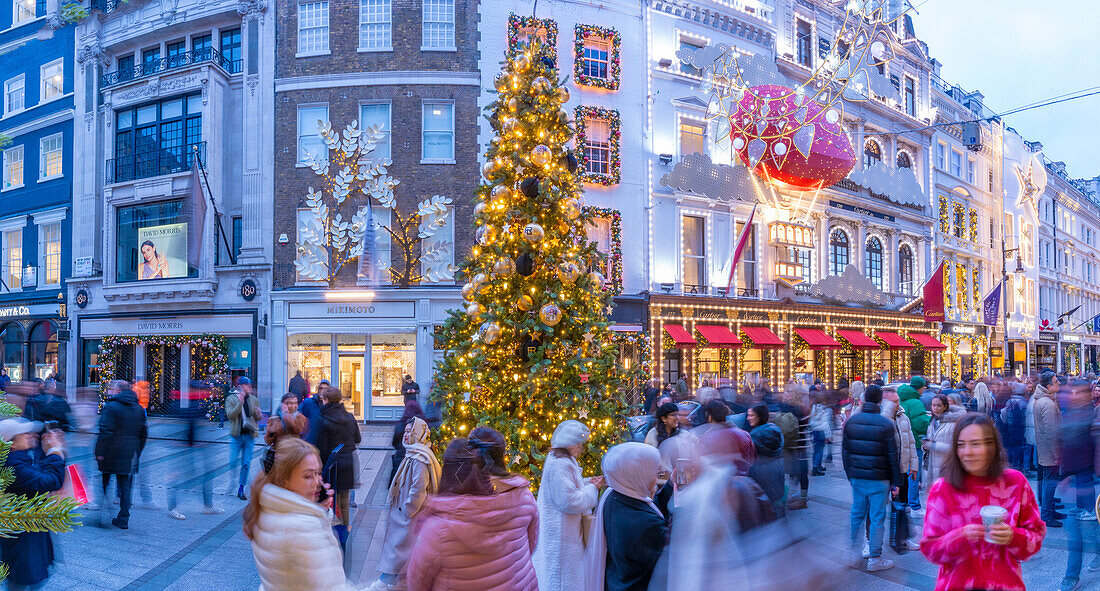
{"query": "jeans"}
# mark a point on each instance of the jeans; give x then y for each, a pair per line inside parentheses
(1048, 482)
(797, 466)
(241, 447)
(869, 498)
(1086, 493)
(819, 448)
(125, 495)
(1016, 456)
(1079, 533)
(914, 482)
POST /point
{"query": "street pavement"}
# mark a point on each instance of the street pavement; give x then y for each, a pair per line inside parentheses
(206, 552)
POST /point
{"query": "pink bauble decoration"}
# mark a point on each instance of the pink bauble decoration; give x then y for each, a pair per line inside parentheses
(790, 139)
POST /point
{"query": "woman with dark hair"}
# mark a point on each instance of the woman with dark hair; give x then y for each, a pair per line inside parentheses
(412, 410)
(470, 539)
(937, 441)
(667, 424)
(154, 265)
(767, 470)
(976, 480)
(338, 427)
(492, 445)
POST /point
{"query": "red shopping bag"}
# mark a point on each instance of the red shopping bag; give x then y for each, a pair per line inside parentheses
(75, 485)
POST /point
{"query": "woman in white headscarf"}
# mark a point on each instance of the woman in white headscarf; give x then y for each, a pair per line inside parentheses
(417, 476)
(564, 498)
(629, 532)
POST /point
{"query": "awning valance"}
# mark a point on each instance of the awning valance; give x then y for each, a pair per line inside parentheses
(817, 339)
(857, 339)
(762, 337)
(893, 340)
(680, 336)
(926, 340)
(718, 336)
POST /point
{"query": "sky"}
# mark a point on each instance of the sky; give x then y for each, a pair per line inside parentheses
(1018, 52)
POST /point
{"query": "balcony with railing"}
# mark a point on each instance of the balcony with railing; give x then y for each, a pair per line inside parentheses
(164, 160)
(106, 6)
(172, 62)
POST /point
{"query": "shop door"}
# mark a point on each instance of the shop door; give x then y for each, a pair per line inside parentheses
(351, 383)
(164, 369)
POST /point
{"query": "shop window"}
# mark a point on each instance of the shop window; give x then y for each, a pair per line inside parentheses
(752, 366)
(873, 261)
(375, 25)
(156, 139)
(872, 153)
(12, 343)
(671, 366)
(43, 349)
(312, 355)
(151, 242)
(90, 363)
(694, 254)
(392, 357)
(905, 269)
(240, 354)
(708, 366)
(838, 252)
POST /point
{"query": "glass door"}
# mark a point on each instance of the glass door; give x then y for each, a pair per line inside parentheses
(351, 349)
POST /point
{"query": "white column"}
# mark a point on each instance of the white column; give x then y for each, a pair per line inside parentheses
(185, 375)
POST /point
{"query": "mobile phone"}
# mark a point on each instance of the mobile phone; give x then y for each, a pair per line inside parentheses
(51, 425)
(323, 496)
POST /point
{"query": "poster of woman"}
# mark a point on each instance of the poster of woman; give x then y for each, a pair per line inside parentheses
(162, 252)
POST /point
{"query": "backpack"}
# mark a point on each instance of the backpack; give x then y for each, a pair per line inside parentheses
(788, 424)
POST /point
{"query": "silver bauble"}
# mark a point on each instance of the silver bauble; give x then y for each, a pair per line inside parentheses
(533, 233)
(541, 155)
(469, 291)
(480, 208)
(540, 84)
(490, 333)
(504, 267)
(596, 279)
(521, 62)
(569, 272)
(488, 169)
(473, 311)
(501, 192)
(485, 235)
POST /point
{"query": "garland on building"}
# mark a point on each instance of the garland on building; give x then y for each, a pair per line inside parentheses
(519, 26)
(583, 32)
(947, 299)
(614, 132)
(945, 220)
(645, 349)
(960, 287)
(973, 225)
(960, 221)
(975, 288)
(616, 255)
(210, 352)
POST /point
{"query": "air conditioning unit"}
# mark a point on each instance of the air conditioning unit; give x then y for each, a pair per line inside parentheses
(972, 136)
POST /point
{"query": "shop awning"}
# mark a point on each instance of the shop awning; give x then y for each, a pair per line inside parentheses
(762, 337)
(718, 336)
(817, 339)
(857, 339)
(893, 340)
(926, 340)
(680, 336)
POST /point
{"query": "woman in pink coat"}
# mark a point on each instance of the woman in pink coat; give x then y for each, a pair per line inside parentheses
(469, 538)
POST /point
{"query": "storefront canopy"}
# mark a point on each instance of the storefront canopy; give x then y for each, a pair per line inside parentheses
(893, 340)
(762, 337)
(926, 340)
(857, 339)
(718, 336)
(680, 336)
(817, 339)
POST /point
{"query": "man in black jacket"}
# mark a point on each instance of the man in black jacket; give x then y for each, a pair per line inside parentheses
(871, 464)
(122, 434)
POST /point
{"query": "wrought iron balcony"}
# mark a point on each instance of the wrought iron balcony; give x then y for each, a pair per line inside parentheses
(171, 62)
(106, 6)
(163, 160)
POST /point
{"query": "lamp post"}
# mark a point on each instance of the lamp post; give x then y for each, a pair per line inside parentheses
(1005, 255)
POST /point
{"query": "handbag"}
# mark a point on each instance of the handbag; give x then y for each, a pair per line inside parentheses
(587, 519)
(899, 527)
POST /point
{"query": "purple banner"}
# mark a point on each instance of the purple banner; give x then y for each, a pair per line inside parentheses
(992, 305)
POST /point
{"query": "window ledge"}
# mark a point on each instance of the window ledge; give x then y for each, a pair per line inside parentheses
(437, 161)
(430, 49)
(54, 98)
(50, 178)
(375, 49)
(11, 188)
(20, 24)
(313, 53)
(14, 113)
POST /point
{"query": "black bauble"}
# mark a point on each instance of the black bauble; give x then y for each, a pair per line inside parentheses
(529, 347)
(569, 161)
(525, 264)
(529, 187)
(549, 62)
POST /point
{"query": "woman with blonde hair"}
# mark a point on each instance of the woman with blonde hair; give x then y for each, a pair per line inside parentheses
(290, 531)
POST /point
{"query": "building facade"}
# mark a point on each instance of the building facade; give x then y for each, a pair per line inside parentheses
(36, 138)
(172, 195)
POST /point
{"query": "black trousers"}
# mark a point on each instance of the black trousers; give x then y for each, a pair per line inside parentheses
(125, 492)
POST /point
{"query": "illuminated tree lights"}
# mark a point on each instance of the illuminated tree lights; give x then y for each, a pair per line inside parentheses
(532, 348)
(945, 219)
(613, 39)
(611, 116)
(615, 263)
(523, 28)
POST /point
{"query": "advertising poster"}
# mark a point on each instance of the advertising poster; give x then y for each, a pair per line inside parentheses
(162, 251)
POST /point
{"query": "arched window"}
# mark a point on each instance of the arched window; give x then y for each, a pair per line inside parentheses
(43, 348)
(11, 350)
(905, 269)
(904, 161)
(872, 153)
(838, 252)
(873, 261)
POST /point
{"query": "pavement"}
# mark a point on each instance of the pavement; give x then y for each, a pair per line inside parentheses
(207, 552)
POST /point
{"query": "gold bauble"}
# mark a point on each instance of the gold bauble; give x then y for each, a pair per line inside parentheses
(525, 303)
(550, 314)
(571, 208)
(469, 291)
(504, 267)
(521, 62)
(501, 192)
(489, 332)
(541, 155)
(513, 104)
(509, 124)
(479, 280)
(596, 279)
(501, 83)
(533, 233)
(540, 84)
(569, 272)
(485, 235)
(480, 208)
(488, 169)
(473, 311)
(563, 94)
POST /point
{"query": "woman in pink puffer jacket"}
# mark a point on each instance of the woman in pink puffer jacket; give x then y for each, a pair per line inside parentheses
(470, 539)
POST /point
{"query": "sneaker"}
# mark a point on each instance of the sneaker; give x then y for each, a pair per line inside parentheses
(91, 507)
(1095, 566)
(176, 515)
(120, 524)
(352, 503)
(1053, 523)
(911, 545)
(917, 513)
(1070, 584)
(1086, 516)
(877, 564)
(866, 550)
(380, 586)
(796, 503)
(150, 505)
(1060, 515)
(818, 472)
(212, 510)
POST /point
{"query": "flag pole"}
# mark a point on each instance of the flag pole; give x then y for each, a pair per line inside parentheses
(217, 215)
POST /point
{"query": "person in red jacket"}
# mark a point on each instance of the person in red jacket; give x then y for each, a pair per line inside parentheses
(970, 555)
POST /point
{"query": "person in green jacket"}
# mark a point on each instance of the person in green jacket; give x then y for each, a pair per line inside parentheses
(918, 416)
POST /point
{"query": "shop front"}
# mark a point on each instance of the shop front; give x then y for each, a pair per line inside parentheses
(1013, 360)
(28, 341)
(967, 354)
(363, 343)
(1044, 351)
(1091, 347)
(1072, 346)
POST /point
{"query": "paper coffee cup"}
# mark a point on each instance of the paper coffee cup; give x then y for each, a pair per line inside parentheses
(992, 515)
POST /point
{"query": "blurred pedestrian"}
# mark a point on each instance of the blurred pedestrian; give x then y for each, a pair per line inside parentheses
(667, 424)
(338, 427)
(289, 423)
(1077, 447)
(767, 469)
(242, 408)
(192, 462)
(471, 539)
(123, 431)
(937, 444)
(909, 467)
(417, 477)
(412, 410)
(821, 429)
(871, 464)
(982, 518)
(48, 406)
(290, 531)
(565, 502)
(311, 410)
(1048, 422)
(1012, 423)
(5, 379)
(298, 386)
(911, 400)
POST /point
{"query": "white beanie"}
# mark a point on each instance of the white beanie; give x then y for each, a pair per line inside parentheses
(568, 434)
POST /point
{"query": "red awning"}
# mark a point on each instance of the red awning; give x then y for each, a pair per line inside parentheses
(718, 336)
(893, 340)
(817, 339)
(857, 339)
(680, 336)
(762, 337)
(926, 340)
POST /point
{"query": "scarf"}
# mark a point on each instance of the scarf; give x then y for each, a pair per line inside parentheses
(629, 469)
(417, 449)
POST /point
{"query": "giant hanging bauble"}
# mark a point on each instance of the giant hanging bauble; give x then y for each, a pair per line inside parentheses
(509, 124)
(489, 332)
(501, 192)
(521, 62)
(479, 280)
(469, 291)
(533, 233)
(550, 314)
(485, 235)
(541, 155)
(504, 267)
(525, 264)
(540, 84)
(529, 187)
(790, 138)
(569, 161)
(513, 104)
(563, 94)
(501, 83)
(548, 62)
(473, 310)
(525, 303)
(569, 272)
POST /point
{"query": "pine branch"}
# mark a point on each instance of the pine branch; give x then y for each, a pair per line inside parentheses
(39, 513)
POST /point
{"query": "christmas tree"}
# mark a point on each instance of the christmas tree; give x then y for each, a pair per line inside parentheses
(531, 349)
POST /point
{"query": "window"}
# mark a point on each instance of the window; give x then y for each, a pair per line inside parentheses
(598, 230)
(372, 114)
(746, 267)
(200, 45)
(53, 80)
(595, 59)
(956, 163)
(312, 27)
(694, 254)
(804, 39)
(231, 47)
(43, 349)
(910, 96)
(24, 11)
(872, 260)
(838, 252)
(151, 242)
(905, 269)
(13, 258)
(990, 179)
(49, 156)
(156, 139)
(597, 146)
(804, 257)
(872, 153)
(126, 68)
(150, 60)
(175, 53)
(13, 167)
(904, 161)
(238, 236)
(970, 164)
(941, 156)
(439, 267)
(14, 96)
(11, 339)
(49, 253)
(438, 139)
(310, 145)
(693, 137)
(960, 221)
(439, 24)
(690, 46)
(375, 25)
(991, 232)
